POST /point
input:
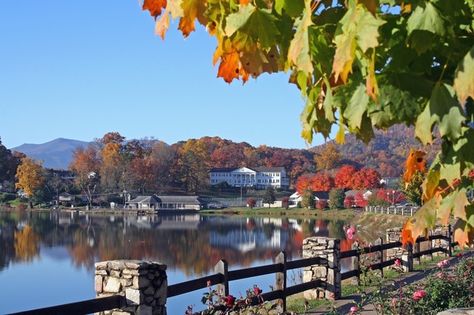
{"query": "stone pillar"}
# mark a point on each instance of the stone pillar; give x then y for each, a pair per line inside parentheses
(394, 235)
(143, 283)
(330, 273)
(440, 230)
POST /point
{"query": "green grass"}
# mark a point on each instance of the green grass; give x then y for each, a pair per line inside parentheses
(282, 212)
(296, 303)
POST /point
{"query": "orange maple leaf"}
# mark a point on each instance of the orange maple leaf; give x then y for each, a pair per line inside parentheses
(231, 68)
(154, 6)
(162, 25)
(192, 10)
(415, 162)
(244, 2)
(407, 237)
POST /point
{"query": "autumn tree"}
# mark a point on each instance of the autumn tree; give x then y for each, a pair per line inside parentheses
(328, 158)
(26, 244)
(192, 165)
(336, 198)
(343, 177)
(30, 177)
(85, 165)
(307, 199)
(413, 190)
(251, 202)
(360, 65)
(112, 167)
(366, 178)
(322, 182)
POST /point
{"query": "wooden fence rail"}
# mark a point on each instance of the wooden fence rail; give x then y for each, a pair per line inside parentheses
(222, 276)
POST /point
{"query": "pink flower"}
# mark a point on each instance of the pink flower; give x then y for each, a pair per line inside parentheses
(350, 232)
(257, 290)
(418, 295)
(394, 302)
(208, 283)
(442, 263)
(354, 309)
(398, 262)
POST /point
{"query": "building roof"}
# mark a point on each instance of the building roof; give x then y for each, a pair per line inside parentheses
(144, 199)
(223, 169)
(269, 169)
(189, 200)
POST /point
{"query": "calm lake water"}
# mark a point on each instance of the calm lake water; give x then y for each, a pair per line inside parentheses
(48, 258)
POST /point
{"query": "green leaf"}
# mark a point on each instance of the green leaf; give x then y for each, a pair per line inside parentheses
(430, 184)
(299, 52)
(464, 78)
(356, 108)
(426, 18)
(258, 23)
(450, 171)
(291, 7)
(443, 109)
(237, 20)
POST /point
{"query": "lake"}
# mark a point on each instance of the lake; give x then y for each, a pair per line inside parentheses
(47, 258)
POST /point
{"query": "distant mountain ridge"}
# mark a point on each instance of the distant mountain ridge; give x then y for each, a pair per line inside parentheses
(56, 154)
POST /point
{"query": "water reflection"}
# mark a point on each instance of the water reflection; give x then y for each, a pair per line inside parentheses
(189, 243)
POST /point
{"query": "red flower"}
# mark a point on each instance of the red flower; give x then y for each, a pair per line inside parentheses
(257, 291)
(418, 295)
(229, 301)
(208, 283)
(459, 255)
(398, 262)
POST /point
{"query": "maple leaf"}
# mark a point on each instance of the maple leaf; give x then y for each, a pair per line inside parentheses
(358, 28)
(244, 2)
(192, 10)
(231, 68)
(371, 82)
(299, 51)
(422, 220)
(464, 82)
(415, 162)
(154, 6)
(463, 233)
(407, 237)
(162, 25)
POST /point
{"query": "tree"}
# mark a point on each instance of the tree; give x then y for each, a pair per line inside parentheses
(360, 64)
(251, 203)
(307, 199)
(30, 177)
(413, 190)
(343, 177)
(322, 182)
(192, 165)
(285, 202)
(328, 158)
(349, 202)
(269, 196)
(365, 178)
(85, 166)
(8, 166)
(112, 166)
(336, 198)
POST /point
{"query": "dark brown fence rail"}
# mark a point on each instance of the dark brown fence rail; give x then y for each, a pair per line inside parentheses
(80, 308)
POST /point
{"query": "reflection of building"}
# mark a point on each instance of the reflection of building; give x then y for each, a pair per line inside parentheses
(155, 202)
(243, 240)
(259, 177)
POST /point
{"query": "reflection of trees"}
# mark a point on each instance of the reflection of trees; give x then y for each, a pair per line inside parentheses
(26, 244)
(188, 249)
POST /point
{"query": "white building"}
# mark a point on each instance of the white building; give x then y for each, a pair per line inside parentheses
(258, 177)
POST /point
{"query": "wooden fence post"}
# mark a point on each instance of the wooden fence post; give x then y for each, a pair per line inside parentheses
(355, 262)
(450, 250)
(417, 250)
(223, 268)
(381, 255)
(407, 258)
(280, 283)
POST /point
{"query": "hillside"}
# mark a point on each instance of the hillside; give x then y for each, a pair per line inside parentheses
(55, 154)
(386, 153)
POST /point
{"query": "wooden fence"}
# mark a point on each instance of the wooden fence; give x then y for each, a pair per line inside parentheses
(222, 276)
(398, 210)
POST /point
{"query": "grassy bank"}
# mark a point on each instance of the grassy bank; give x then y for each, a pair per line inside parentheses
(343, 214)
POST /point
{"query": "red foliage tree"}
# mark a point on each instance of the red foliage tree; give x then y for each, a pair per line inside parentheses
(251, 203)
(349, 202)
(303, 183)
(359, 200)
(322, 182)
(343, 177)
(366, 178)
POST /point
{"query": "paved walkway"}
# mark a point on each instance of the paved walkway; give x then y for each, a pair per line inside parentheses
(343, 305)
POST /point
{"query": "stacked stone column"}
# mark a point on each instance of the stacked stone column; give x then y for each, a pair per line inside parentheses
(143, 284)
(329, 273)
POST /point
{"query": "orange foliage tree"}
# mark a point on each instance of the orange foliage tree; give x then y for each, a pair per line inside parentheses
(30, 177)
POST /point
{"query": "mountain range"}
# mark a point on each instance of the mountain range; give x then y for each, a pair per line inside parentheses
(56, 154)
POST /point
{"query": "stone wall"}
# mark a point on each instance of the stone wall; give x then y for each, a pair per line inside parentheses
(330, 273)
(143, 283)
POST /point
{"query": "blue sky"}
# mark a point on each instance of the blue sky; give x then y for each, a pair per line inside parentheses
(78, 69)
